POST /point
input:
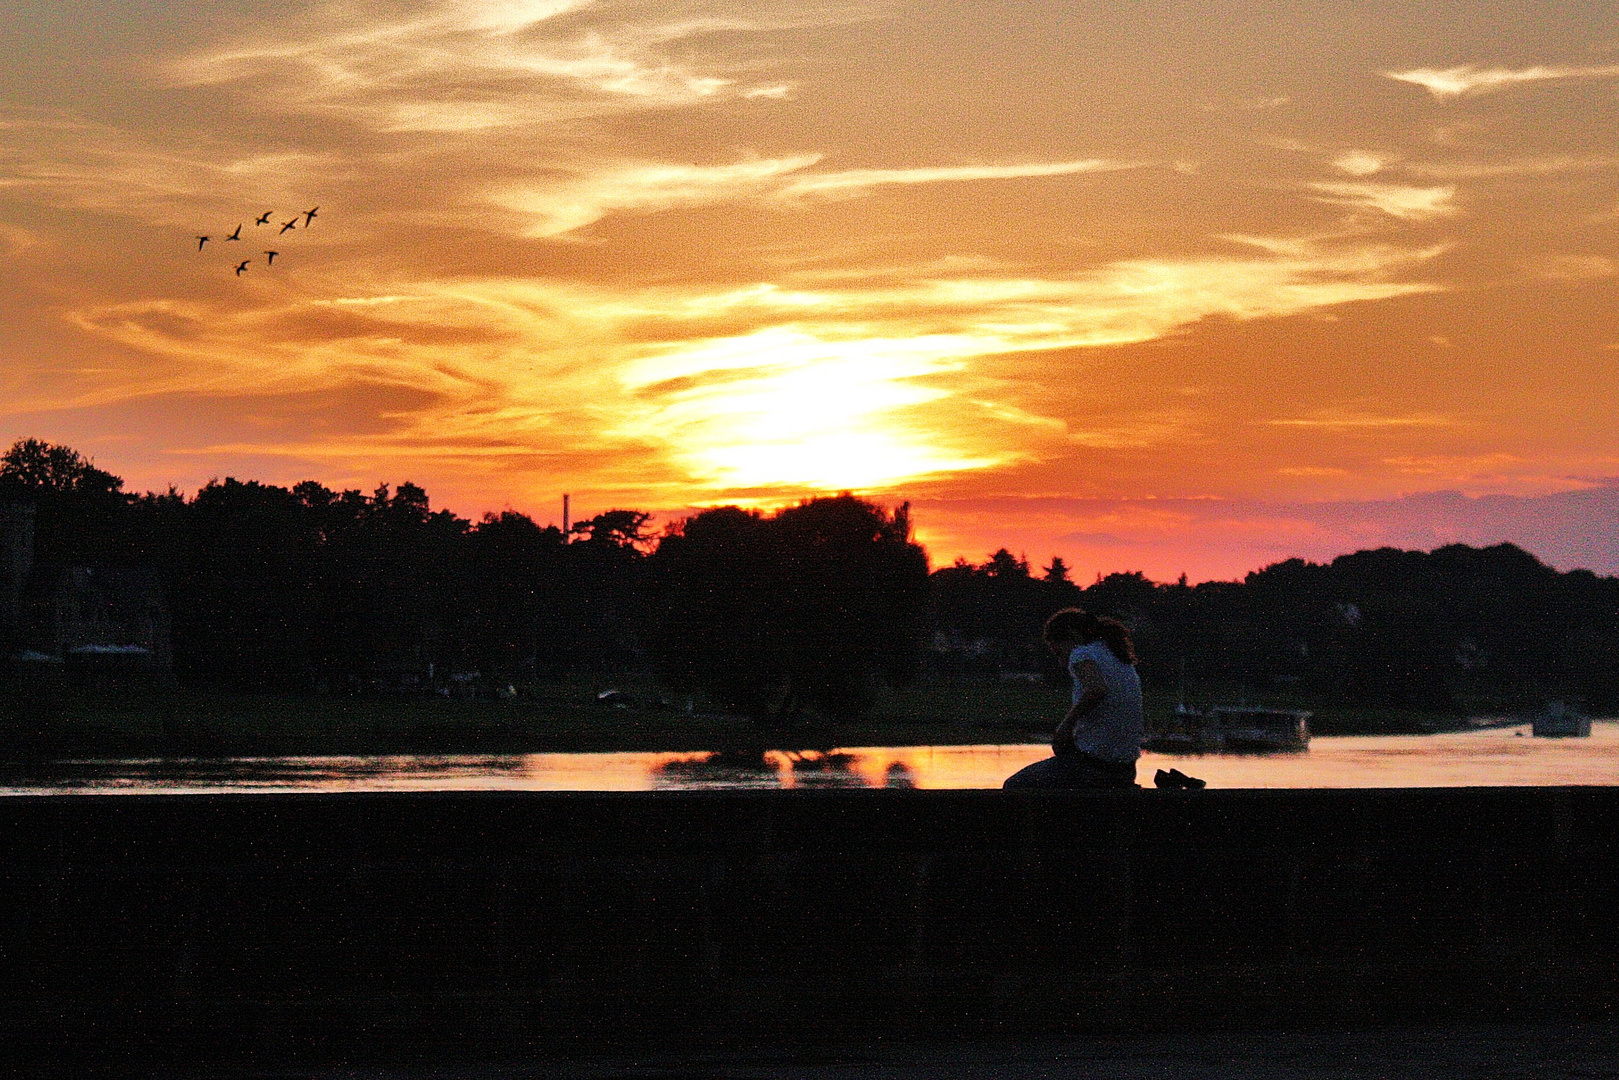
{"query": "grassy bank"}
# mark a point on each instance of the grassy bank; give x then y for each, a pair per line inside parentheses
(556, 717)
(559, 717)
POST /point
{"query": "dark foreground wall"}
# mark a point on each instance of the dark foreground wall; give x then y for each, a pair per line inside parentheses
(492, 924)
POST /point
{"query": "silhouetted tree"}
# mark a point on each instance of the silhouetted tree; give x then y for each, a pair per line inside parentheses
(76, 504)
(988, 617)
(616, 528)
(511, 568)
(805, 609)
(36, 467)
(1453, 628)
(774, 615)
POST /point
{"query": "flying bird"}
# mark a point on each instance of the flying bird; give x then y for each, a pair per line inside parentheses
(237, 235)
(270, 257)
(201, 240)
(242, 266)
(309, 215)
(293, 224)
(264, 218)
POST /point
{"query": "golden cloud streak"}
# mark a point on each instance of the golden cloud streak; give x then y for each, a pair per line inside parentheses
(1548, 165)
(819, 387)
(1472, 80)
(855, 181)
(561, 206)
(79, 165)
(1403, 201)
(1345, 422)
(460, 66)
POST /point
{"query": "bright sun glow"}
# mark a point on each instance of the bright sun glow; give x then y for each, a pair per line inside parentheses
(784, 408)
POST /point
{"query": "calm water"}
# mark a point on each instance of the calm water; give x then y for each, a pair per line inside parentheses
(1494, 757)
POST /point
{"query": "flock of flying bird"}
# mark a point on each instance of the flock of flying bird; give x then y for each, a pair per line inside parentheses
(262, 219)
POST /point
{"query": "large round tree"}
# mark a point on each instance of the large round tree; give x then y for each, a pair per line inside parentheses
(806, 609)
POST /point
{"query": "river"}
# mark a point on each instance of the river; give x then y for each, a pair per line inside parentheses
(1488, 758)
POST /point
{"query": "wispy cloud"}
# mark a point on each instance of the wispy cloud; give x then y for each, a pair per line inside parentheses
(456, 65)
(76, 164)
(1345, 421)
(1404, 201)
(1545, 165)
(1574, 268)
(1246, 104)
(14, 240)
(856, 181)
(1486, 467)
(1471, 80)
(556, 205)
(1360, 162)
(561, 206)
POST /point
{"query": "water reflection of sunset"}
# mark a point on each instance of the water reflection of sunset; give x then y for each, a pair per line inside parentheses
(1489, 758)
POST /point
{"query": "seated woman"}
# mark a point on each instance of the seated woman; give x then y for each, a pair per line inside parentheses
(1099, 740)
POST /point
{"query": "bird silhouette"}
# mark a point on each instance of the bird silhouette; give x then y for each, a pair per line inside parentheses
(270, 257)
(237, 235)
(264, 218)
(242, 266)
(293, 224)
(201, 240)
(309, 215)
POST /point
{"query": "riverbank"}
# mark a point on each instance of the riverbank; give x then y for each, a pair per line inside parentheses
(562, 717)
(558, 717)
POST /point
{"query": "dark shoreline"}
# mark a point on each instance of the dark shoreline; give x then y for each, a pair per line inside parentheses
(558, 719)
(112, 746)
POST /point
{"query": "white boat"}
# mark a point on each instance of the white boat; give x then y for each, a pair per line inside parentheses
(1231, 728)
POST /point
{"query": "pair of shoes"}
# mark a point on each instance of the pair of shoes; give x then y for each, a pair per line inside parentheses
(1174, 778)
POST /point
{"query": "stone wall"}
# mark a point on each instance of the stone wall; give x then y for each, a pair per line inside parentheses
(488, 925)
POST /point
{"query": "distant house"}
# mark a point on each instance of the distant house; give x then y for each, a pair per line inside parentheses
(93, 623)
(108, 621)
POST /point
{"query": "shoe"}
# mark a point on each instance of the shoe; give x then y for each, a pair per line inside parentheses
(1190, 783)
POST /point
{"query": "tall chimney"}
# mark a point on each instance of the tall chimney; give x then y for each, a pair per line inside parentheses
(565, 518)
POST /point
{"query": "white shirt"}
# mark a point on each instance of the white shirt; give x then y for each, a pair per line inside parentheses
(1114, 729)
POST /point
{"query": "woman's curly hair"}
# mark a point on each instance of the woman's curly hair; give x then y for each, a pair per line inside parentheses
(1073, 624)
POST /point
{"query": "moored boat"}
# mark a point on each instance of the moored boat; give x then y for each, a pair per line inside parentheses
(1561, 721)
(1244, 727)
(1231, 728)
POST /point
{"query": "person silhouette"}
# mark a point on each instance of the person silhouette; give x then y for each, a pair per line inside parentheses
(1099, 739)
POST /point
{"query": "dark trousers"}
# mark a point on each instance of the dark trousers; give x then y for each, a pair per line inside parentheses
(1073, 771)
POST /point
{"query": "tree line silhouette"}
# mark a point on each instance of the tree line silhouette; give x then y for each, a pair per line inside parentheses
(806, 610)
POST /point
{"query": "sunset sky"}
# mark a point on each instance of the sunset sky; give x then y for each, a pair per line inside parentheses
(1176, 287)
